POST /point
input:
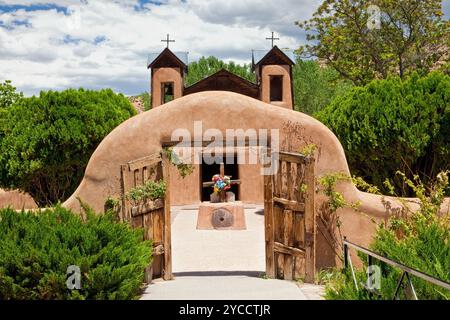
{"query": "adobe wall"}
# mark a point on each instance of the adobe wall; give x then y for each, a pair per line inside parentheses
(142, 135)
(16, 200)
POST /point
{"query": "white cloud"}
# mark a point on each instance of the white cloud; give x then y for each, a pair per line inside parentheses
(55, 51)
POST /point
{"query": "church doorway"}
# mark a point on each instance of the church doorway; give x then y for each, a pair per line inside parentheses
(207, 171)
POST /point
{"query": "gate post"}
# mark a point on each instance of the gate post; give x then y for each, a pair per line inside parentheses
(268, 226)
(167, 272)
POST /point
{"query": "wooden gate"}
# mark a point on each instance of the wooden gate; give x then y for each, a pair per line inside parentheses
(152, 216)
(290, 218)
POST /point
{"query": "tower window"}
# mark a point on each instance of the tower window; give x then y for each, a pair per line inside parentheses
(276, 88)
(166, 92)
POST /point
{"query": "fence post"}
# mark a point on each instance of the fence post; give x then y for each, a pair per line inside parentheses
(345, 253)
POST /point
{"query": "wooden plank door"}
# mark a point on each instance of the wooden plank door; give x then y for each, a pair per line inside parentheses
(290, 219)
(153, 217)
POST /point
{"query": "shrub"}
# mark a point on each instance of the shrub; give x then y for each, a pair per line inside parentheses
(419, 240)
(46, 141)
(37, 248)
(392, 125)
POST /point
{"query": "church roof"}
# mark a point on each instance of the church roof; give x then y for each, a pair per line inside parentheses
(154, 57)
(223, 80)
(280, 55)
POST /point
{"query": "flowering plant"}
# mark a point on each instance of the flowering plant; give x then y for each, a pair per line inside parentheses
(221, 183)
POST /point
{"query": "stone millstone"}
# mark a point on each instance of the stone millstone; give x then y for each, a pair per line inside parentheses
(222, 218)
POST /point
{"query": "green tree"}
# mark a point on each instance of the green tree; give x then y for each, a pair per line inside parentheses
(411, 35)
(207, 66)
(315, 86)
(46, 141)
(8, 94)
(146, 100)
(392, 125)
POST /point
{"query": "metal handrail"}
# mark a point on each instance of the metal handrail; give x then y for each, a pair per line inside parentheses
(406, 270)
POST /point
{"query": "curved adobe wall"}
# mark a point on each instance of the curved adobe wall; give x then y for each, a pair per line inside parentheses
(141, 136)
(16, 200)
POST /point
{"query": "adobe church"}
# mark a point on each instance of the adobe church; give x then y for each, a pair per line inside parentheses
(134, 152)
(273, 71)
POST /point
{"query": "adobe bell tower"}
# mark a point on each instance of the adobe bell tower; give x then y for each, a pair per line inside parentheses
(167, 75)
(274, 75)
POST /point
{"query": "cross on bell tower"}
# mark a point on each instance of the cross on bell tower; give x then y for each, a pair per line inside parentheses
(272, 38)
(167, 40)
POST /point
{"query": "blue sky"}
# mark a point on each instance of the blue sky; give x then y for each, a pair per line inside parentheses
(50, 44)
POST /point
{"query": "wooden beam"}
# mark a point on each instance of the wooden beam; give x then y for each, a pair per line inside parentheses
(225, 143)
(147, 207)
(293, 157)
(144, 162)
(289, 204)
(281, 248)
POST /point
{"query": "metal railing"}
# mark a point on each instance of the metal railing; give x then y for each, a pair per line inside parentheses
(407, 271)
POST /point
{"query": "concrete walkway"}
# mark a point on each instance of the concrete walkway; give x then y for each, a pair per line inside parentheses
(222, 264)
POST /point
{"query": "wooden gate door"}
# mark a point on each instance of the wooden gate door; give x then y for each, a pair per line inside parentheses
(289, 217)
(152, 216)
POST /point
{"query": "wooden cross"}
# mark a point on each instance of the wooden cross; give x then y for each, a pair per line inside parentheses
(167, 41)
(272, 38)
(223, 193)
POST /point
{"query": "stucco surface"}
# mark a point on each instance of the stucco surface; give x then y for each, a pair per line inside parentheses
(16, 200)
(141, 136)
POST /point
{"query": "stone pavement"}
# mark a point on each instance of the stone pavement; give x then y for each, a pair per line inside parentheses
(222, 264)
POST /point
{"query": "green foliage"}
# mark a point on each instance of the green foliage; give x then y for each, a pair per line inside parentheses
(46, 141)
(308, 150)
(392, 125)
(329, 221)
(37, 248)
(315, 86)
(112, 204)
(151, 190)
(417, 239)
(412, 36)
(207, 66)
(336, 200)
(8, 94)
(183, 168)
(146, 100)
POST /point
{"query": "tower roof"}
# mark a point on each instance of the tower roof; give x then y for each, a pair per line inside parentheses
(167, 58)
(273, 56)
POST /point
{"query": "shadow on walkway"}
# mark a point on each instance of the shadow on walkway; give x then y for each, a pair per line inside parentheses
(254, 274)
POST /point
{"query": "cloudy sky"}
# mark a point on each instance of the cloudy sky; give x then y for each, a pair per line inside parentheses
(56, 44)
